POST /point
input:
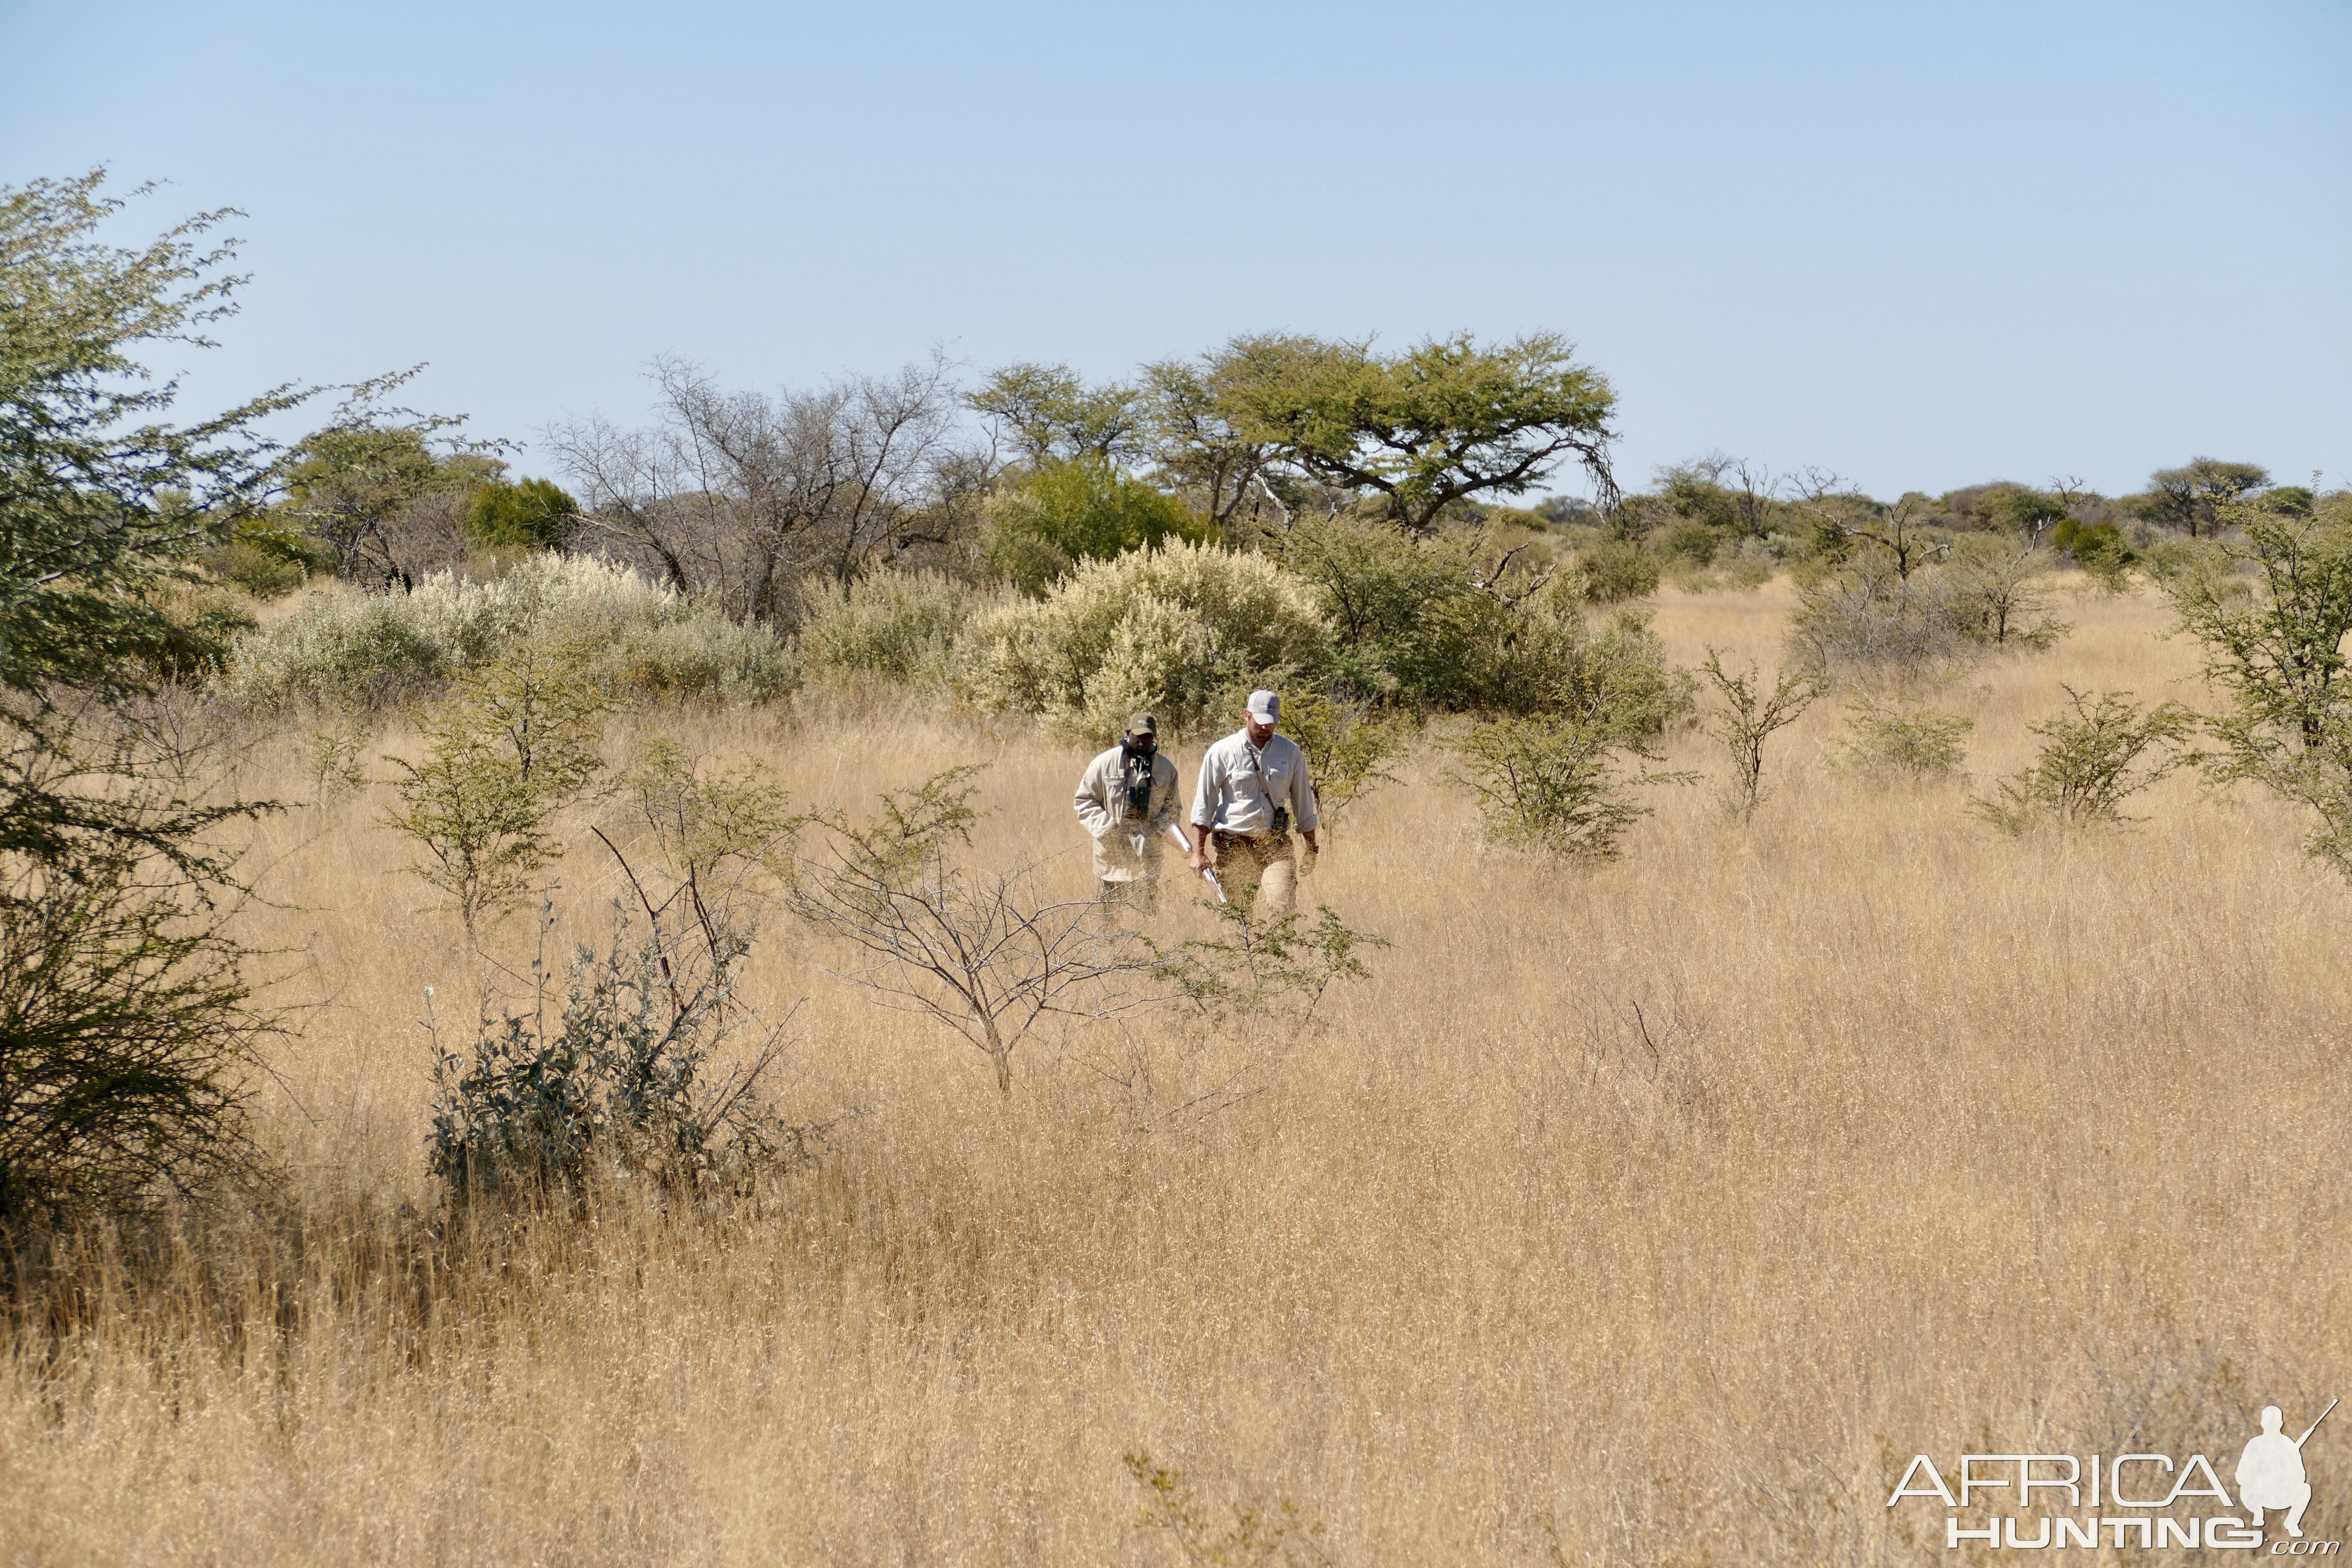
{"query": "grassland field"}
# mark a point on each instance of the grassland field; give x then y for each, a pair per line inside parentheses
(1923, 1137)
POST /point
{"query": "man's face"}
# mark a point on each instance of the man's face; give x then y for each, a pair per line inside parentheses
(1259, 735)
(1142, 740)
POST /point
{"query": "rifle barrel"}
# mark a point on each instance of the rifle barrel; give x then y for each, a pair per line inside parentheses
(2307, 1431)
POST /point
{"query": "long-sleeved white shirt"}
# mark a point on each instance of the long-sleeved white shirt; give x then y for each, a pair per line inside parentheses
(1127, 846)
(1241, 785)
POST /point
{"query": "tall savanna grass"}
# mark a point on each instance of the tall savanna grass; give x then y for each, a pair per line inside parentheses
(1656, 1212)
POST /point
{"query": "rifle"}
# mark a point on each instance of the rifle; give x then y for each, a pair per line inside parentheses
(2307, 1431)
(1208, 874)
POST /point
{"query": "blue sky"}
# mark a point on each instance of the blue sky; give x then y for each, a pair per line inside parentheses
(1920, 245)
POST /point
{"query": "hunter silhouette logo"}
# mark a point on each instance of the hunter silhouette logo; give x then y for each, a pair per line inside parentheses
(2270, 1472)
(2123, 1500)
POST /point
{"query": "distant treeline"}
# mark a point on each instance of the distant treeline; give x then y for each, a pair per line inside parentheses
(741, 497)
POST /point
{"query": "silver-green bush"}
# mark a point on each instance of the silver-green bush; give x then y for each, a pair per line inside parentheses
(894, 625)
(1177, 630)
(633, 634)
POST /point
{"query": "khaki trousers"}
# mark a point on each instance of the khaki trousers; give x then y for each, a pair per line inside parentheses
(1262, 870)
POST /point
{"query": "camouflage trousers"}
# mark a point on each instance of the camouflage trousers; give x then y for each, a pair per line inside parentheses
(1265, 869)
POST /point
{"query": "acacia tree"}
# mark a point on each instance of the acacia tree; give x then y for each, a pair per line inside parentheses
(1197, 444)
(2279, 658)
(123, 1009)
(1048, 411)
(2195, 495)
(1445, 421)
(2015, 509)
(386, 489)
(1843, 517)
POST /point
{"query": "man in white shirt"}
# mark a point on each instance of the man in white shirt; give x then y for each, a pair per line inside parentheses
(1127, 799)
(1254, 789)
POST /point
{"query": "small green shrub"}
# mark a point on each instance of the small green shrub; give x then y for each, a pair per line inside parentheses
(269, 558)
(1349, 746)
(201, 623)
(1066, 511)
(2100, 547)
(2105, 751)
(1691, 541)
(1749, 718)
(1381, 591)
(1172, 630)
(516, 743)
(1904, 740)
(263, 573)
(1746, 563)
(1561, 787)
(1612, 571)
(526, 514)
(1547, 654)
(1278, 969)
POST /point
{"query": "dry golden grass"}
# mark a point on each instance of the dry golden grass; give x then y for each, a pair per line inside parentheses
(1947, 1140)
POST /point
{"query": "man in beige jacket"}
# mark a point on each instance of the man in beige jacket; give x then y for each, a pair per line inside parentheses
(1127, 800)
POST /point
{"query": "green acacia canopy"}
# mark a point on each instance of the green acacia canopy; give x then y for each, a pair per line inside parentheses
(1441, 421)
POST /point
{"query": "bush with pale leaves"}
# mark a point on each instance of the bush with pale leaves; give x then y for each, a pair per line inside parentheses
(341, 644)
(1178, 631)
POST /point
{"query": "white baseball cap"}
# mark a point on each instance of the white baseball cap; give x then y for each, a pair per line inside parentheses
(1266, 706)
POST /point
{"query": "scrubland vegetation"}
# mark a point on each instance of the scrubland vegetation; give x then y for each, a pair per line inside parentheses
(552, 1028)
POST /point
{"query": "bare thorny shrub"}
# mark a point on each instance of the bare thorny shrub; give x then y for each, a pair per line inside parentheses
(991, 956)
(743, 495)
(996, 957)
(1905, 605)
